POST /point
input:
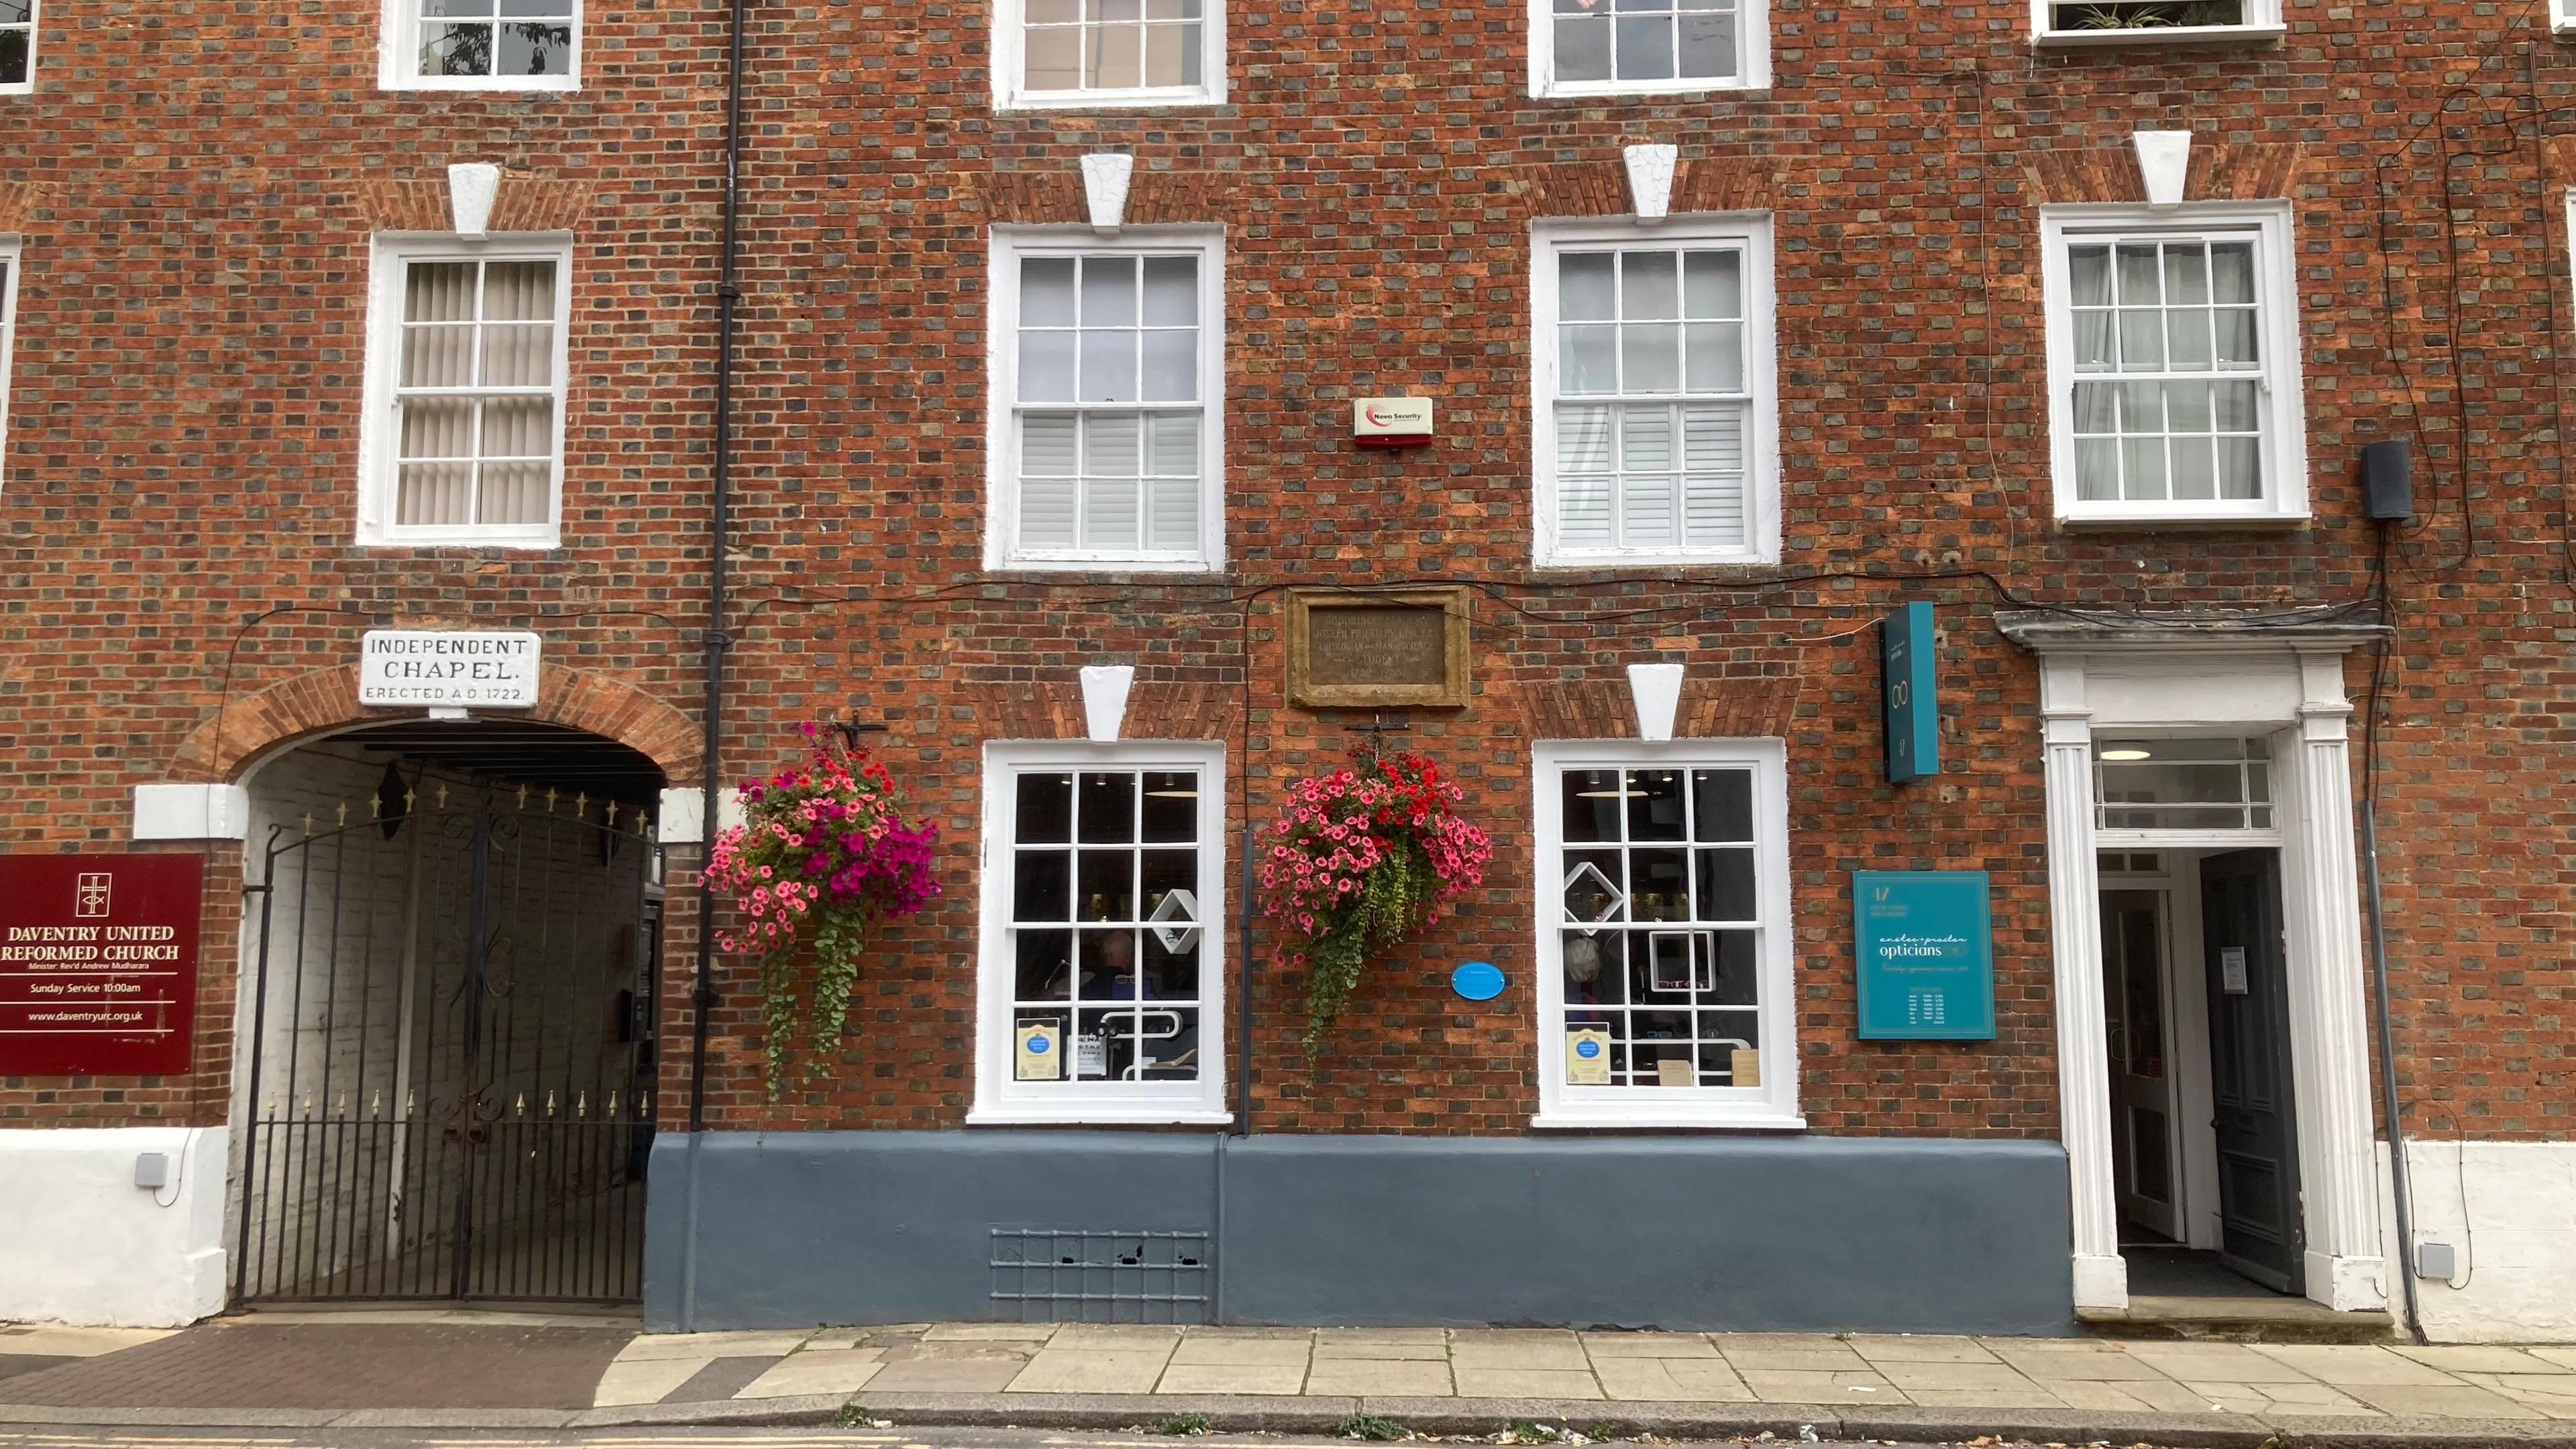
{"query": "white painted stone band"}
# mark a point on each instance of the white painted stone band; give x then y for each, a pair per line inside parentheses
(191, 812)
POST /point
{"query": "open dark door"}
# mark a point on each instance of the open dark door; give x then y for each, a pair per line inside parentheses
(2260, 1232)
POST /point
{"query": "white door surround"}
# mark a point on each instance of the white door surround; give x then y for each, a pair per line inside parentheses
(2209, 675)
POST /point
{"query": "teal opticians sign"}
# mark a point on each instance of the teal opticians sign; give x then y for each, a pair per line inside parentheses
(1924, 941)
(1913, 704)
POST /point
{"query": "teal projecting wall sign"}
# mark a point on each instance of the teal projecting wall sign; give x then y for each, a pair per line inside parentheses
(1913, 702)
(1924, 941)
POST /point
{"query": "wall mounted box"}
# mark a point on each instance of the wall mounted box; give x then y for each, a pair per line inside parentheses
(1390, 422)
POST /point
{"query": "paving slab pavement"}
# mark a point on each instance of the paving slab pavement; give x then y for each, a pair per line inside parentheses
(379, 1369)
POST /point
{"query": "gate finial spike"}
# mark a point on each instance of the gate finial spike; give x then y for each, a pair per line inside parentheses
(308, 822)
(344, 812)
(411, 800)
(612, 815)
(442, 794)
(411, 1102)
(581, 1105)
(612, 1105)
(376, 1105)
(523, 797)
(550, 1104)
(580, 804)
(550, 799)
(520, 1109)
(376, 807)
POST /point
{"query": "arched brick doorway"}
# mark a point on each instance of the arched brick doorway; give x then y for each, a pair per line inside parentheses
(445, 1074)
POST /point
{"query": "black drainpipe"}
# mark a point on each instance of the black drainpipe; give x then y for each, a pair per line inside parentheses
(703, 1000)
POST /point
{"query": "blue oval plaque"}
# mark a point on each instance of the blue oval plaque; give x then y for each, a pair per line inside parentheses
(1477, 981)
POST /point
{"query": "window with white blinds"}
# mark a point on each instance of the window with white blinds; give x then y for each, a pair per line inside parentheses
(481, 44)
(1109, 365)
(1108, 52)
(1654, 410)
(470, 389)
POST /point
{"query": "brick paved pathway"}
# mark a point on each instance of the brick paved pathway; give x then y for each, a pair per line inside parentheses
(248, 1364)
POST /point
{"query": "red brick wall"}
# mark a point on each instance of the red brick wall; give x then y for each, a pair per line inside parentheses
(181, 455)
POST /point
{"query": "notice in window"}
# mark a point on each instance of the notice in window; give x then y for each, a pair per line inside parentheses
(98, 964)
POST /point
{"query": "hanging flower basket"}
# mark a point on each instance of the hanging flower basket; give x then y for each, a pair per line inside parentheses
(1361, 863)
(823, 854)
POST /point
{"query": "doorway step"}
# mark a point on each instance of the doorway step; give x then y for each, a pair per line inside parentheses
(2176, 1292)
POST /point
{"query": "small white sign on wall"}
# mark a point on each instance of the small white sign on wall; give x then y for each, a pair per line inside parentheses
(2231, 970)
(448, 668)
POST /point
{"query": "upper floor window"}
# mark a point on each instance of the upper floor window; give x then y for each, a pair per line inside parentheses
(1103, 934)
(2155, 22)
(1596, 47)
(1656, 416)
(1107, 368)
(1665, 935)
(2173, 363)
(482, 44)
(463, 437)
(8, 339)
(17, 44)
(1108, 52)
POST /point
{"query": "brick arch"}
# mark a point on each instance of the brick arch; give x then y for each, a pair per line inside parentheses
(261, 724)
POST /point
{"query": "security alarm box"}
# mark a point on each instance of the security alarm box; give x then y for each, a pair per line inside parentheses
(1390, 422)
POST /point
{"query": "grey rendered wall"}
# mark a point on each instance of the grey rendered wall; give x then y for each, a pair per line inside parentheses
(1801, 1233)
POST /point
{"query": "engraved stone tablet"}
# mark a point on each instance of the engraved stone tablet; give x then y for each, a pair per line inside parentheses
(1401, 647)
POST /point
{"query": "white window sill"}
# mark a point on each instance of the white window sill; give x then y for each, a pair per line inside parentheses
(458, 538)
(2196, 520)
(1619, 558)
(1104, 566)
(1098, 1114)
(22, 88)
(2161, 37)
(1579, 90)
(1108, 100)
(550, 84)
(1653, 1115)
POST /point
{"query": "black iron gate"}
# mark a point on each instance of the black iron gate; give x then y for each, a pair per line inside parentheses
(451, 1068)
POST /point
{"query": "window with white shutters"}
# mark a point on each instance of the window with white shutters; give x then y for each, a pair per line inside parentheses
(1109, 365)
(2173, 364)
(466, 430)
(1655, 409)
(481, 44)
(17, 45)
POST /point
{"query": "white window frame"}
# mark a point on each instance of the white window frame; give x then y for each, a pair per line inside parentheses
(1752, 53)
(1772, 1105)
(379, 429)
(1752, 232)
(1008, 245)
(12, 258)
(35, 32)
(398, 58)
(2562, 19)
(2279, 386)
(2262, 23)
(1010, 65)
(1000, 1098)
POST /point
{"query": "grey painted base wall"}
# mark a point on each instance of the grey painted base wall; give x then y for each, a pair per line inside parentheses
(1801, 1233)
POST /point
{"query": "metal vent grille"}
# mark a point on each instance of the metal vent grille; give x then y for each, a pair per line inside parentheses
(1049, 1275)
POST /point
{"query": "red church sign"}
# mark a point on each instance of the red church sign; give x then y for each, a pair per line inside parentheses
(98, 964)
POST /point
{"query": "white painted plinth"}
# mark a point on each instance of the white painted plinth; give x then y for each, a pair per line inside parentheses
(2508, 1210)
(84, 1245)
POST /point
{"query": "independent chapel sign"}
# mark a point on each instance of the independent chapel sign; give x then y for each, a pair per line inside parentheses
(448, 668)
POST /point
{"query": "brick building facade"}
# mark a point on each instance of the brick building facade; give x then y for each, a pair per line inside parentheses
(1919, 217)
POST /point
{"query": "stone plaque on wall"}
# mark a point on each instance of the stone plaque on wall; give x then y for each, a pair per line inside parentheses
(1399, 647)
